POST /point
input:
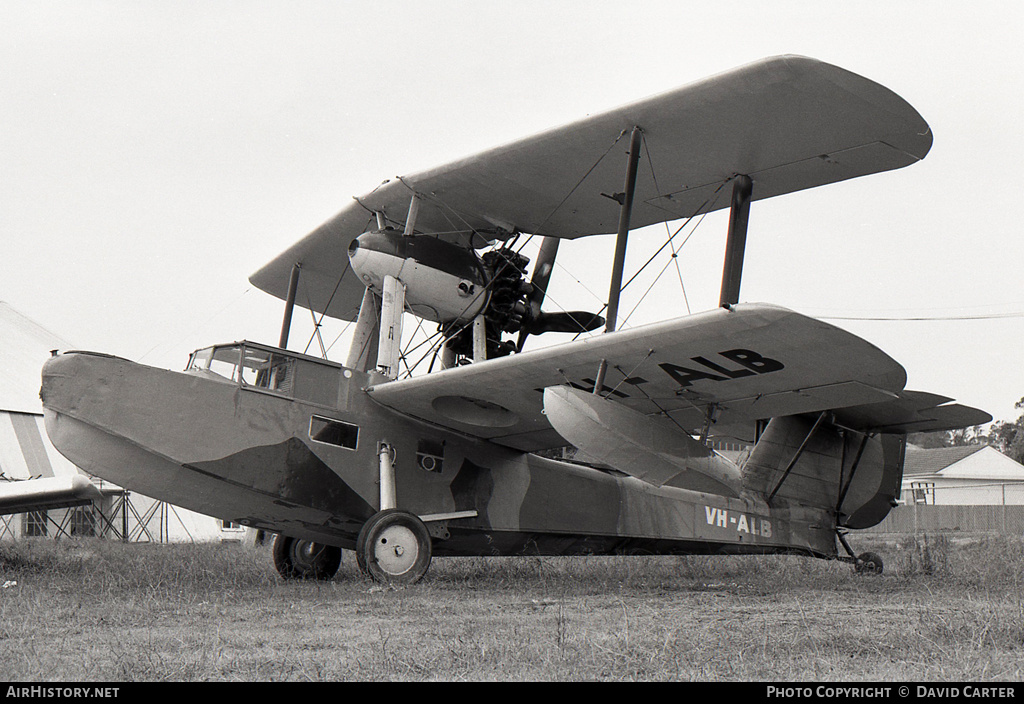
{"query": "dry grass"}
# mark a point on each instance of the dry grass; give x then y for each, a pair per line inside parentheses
(100, 611)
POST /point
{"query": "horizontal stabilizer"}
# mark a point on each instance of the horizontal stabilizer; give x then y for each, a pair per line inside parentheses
(911, 412)
(45, 494)
(649, 448)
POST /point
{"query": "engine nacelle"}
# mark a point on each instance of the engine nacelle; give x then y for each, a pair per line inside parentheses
(444, 282)
(451, 285)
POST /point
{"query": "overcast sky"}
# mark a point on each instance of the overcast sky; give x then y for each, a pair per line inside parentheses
(153, 155)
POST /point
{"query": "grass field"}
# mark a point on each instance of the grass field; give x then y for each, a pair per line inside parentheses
(94, 610)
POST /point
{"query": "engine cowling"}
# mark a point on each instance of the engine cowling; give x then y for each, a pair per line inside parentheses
(444, 283)
(451, 286)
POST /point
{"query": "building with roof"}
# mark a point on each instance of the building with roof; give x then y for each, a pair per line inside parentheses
(976, 475)
(26, 455)
(974, 489)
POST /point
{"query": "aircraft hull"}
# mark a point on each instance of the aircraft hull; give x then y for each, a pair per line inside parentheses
(240, 454)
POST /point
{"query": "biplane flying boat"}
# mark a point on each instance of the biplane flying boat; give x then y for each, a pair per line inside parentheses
(452, 462)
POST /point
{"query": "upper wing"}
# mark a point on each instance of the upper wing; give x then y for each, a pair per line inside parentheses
(749, 362)
(44, 494)
(788, 122)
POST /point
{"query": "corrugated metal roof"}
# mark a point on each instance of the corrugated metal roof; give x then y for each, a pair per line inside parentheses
(922, 462)
(24, 347)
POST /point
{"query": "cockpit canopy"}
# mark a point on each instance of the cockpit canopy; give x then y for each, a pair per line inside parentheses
(267, 369)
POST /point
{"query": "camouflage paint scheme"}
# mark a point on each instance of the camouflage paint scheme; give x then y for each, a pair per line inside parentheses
(245, 454)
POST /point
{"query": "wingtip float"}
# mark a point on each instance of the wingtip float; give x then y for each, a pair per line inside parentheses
(333, 456)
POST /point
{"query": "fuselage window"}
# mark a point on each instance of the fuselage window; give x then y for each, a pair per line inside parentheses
(334, 432)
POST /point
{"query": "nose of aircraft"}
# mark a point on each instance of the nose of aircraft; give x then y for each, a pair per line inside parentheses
(179, 416)
(141, 427)
(95, 421)
(202, 443)
(99, 409)
(372, 255)
(68, 382)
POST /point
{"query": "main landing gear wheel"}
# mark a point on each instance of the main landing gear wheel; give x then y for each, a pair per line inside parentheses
(295, 558)
(394, 547)
(868, 563)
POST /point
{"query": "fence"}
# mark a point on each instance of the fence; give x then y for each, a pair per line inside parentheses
(975, 508)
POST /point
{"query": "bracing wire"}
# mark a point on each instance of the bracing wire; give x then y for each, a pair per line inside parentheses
(710, 201)
(348, 324)
(675, 255)
(316, 331)
(198, 327)
(404, 356)
(643, 296)
(512, 245)
(317, 323)
(432, 350)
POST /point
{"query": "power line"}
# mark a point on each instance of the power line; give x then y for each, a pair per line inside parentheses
(924, 318)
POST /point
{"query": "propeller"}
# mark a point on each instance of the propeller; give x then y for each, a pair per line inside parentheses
(536, 322)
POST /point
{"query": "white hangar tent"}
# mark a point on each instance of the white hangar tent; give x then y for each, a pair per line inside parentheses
(44, 494)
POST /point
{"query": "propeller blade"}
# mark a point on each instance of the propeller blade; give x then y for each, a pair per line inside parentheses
(575, 321)
(539, 284)
(542, 272)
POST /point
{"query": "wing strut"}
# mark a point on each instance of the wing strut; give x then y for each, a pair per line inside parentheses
(362, 353)
(389, 345)
(739, 215)
(625, 200)
(853, 471)
(289, 305)
(799, 451)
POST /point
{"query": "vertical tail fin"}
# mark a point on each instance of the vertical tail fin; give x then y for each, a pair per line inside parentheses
(809, 461)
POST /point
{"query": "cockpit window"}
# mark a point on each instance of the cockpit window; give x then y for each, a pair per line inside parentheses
(276, 371)
(200, 358)
(222, 361)
(250, 365)
(268, 370)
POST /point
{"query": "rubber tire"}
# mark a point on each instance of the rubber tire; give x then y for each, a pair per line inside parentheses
(869, 563)
(296, 558)
(405, 532)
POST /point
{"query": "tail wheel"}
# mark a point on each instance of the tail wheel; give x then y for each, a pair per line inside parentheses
(394, 547)
(295, 558)
(869, 563)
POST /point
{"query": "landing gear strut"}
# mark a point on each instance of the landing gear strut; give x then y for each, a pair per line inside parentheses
(295, 558)
(394, 547)
(865, 563)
